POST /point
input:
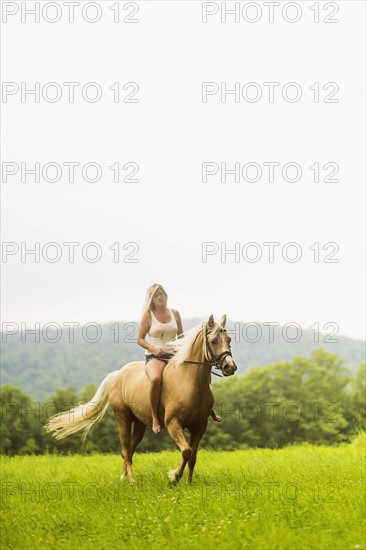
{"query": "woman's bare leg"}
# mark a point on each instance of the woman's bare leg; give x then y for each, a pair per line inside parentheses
(154, 370)
(215, 416)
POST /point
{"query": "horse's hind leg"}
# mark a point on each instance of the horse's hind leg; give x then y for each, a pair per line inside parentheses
(124, 420)
(196, 435)
(177, 434)
(138, 432)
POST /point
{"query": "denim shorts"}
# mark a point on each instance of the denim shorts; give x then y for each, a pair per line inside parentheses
(166, 357)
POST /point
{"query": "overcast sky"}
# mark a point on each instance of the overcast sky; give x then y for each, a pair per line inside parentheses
(170, 212)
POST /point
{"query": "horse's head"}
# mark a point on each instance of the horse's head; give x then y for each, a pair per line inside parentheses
(218, 346)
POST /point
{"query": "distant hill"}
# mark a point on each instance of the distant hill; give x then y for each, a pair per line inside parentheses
(41, 367)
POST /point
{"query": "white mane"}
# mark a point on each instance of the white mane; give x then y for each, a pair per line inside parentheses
(183, 346)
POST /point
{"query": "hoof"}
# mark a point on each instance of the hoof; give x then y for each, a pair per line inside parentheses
(173, 479)
(124, 477)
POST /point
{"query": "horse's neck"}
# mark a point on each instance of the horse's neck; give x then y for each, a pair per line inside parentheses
(198, 372)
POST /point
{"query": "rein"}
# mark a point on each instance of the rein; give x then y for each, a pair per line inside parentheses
(210, 364)
(216, 360)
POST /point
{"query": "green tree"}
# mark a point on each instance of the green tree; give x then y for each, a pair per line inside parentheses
(19, 427)
(358, 395)
(289, 402)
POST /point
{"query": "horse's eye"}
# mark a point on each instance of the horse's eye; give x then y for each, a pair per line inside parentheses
(214, 341)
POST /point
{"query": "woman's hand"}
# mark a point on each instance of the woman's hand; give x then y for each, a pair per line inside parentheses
(157, 351)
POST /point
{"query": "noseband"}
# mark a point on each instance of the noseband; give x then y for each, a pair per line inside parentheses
(219, 359)
(216, 360)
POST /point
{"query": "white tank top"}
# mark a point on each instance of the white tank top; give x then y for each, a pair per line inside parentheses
(161, 333)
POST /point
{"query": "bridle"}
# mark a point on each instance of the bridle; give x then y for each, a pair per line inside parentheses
(216, 360)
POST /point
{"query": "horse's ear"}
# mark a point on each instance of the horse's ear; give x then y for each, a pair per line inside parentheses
(211, 322)
(223, 320)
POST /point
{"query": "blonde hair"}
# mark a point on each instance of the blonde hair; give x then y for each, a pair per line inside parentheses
(149, 296)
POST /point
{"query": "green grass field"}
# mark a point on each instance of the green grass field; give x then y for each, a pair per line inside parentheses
(300, 497)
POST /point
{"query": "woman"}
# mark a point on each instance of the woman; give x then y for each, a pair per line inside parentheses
(161, 325)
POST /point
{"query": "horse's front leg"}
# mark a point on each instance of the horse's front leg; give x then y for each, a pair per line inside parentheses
(177, 434)
(197, 433)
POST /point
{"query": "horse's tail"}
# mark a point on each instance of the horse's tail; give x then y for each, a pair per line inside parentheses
(83, 416)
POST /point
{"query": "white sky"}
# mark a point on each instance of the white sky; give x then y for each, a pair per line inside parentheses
(169, 133)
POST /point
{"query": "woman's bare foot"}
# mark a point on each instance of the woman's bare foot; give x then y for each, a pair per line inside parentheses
(156, 426)
(215, 416)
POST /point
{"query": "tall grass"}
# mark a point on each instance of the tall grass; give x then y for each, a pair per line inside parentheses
(300, 497)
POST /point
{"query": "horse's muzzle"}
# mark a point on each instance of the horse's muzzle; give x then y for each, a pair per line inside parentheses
(229, 366)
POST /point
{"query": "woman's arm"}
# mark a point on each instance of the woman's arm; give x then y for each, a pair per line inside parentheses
(179, 323)
(144, 329)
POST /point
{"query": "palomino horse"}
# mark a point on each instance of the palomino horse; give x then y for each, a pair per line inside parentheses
(186, 397)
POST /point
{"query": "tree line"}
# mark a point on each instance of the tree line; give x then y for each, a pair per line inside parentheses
(312, 399)
(43, 361)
